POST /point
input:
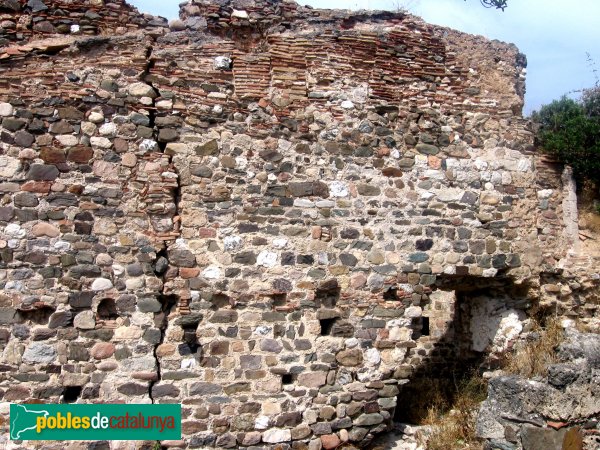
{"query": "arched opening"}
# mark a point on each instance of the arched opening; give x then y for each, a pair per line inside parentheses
(220, 300)
(38, 316)
(107, 309)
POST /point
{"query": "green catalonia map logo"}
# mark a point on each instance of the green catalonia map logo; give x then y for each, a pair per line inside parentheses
(118, 422)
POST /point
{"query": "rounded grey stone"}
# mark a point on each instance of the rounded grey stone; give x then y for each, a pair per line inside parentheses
(149, 304)
(39, 353)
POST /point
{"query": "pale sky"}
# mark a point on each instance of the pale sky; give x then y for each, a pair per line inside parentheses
(554, 34)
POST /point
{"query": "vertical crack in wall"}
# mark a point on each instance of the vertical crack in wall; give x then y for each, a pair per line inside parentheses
(176, 193)
(161, 321)
(144, 78)
(168, 301)
(161, 263)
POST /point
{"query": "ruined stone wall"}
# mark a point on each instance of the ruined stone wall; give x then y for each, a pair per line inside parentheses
(260, 214)
(24, 20)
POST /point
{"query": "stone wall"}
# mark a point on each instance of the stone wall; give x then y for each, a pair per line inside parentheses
(261, 213)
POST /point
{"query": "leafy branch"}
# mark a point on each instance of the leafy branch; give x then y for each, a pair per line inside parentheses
(498, 4)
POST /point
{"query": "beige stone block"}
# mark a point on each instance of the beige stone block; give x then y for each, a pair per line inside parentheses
(271, 408)
(125, 333)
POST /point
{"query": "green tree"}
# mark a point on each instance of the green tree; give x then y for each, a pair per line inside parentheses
(591, 101)
(570, 131)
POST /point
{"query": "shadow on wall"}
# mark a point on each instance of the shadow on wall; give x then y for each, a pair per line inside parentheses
(465, 329)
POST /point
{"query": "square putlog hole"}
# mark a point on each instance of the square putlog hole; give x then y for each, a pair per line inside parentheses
(327, 326)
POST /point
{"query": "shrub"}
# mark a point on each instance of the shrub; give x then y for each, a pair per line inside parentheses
(570, 131)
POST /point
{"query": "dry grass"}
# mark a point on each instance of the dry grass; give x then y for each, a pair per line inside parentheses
(452, 418)
(589, 221)
(589, 207)
(453, 425)
(585, 327)
(424, 394)
(532, 358)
